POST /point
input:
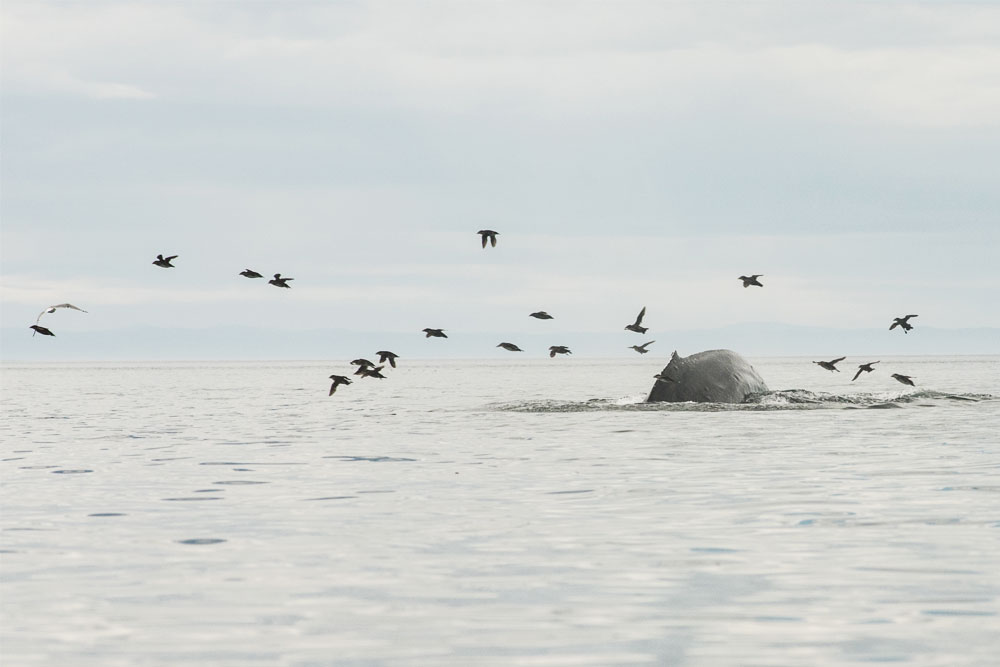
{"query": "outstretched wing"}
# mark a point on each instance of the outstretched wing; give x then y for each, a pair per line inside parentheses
(837, 361)
(860, 369)
(642, 313)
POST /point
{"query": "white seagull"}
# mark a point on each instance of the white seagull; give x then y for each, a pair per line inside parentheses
(52, 309)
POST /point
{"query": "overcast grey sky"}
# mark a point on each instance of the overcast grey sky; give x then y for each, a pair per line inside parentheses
(629, 153)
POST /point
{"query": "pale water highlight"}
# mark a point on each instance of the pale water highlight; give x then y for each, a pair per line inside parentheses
(488, 513)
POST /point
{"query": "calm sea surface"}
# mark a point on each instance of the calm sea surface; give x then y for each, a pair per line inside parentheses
(498, 513)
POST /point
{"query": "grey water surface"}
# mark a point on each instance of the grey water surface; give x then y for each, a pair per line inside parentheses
(522, 512)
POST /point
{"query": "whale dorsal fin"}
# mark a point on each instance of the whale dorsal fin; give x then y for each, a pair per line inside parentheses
(674, 356)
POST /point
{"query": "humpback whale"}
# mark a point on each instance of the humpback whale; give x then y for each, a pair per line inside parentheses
(713, 376)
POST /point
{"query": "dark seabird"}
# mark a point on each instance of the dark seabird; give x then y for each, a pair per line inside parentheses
(372, 372)
(337, 381)
(386, 355)
(637, 325)
(165, 261)
(752, 280)
(864, 368)
(434, 333)
(830, 365)
(42, 330)
(250, 273)
(641, 349)
(278, 281)
(488, 235)
(558, 349)
(52, 309)
(541, 315)
(905, 379)
(362, 364)
(510, 347)
(902, 322)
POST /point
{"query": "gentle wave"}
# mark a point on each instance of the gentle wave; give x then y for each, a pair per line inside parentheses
(786, 399)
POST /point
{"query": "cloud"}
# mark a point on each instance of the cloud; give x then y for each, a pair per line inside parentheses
(528, 59)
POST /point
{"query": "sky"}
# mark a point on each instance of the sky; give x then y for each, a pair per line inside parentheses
(630, 154)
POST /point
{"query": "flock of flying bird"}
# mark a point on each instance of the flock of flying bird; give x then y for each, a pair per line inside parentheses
(366, 368)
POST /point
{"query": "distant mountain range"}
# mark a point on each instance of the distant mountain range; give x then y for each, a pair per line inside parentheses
(234, 343)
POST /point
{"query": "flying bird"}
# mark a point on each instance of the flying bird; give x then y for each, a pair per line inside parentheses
(558, 349)
(278, 281)
(864, 368)
(42, 330)
(541, 315)
(372, 372)
(488, 235)
(510, 347)
(250, 273)
(164, 262)
(362, 364)
(830, 365)
(637, 325)
(434, 333)
(641, 349)
(905, 379)
(903, 323)
(52, 309)
(337, 381)
(752, 280)
(386, 355)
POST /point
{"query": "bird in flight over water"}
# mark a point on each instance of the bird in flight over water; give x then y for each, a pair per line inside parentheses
(250, 273)
(386, 355)
(902, 322)
(864, 368)
(752, 280)
(510, 347)
(830, 365)
(488, 235)
(164, 262)
(637, 325)
(42, 330)
(541, 315)
(278, 281)
(372, 372)
(52, 309)
(337, 381)
(905, 379)
(558, 349)
(434, 333)
(641, 349)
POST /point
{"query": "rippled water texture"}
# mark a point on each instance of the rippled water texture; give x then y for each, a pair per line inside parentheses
(488, 513)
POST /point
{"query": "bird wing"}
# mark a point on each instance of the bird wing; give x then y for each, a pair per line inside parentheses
(642, 313)
(484, 239)
(67, 305)
(333, 388)
(860, 369)
(894, 324)
(172, 257)
(645, 345)
(493, 240)
(837, 361)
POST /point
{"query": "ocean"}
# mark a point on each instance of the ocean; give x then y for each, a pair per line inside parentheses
(501, 512)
